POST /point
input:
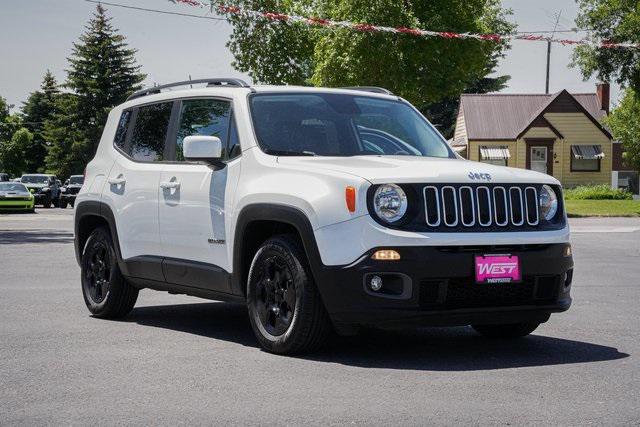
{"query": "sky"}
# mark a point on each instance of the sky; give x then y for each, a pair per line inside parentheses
(39, 34)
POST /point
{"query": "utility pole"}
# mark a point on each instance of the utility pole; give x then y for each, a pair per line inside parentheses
(549, 51)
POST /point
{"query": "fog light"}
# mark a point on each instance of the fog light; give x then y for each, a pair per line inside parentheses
(376, 283)
(386, 255)
(567, 250)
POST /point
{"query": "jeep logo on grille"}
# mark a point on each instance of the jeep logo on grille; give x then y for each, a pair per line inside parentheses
(479, 176)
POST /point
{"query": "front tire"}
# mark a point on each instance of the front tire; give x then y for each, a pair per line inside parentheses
(63, 204)
(106, 292)
(286, 313)
(47, 203)
(510, 331)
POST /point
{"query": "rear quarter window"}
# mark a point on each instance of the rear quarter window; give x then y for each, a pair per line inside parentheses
(121, 132)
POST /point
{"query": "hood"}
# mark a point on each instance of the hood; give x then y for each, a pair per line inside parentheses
(409, 169)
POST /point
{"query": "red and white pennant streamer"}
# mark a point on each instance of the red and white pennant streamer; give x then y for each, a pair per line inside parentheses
(369, 28)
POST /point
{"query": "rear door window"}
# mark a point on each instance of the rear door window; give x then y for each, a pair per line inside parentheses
(150, 132)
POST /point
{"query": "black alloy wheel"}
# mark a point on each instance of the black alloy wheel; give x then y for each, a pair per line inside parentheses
(106, 292)
(285, 309)
(98, 273)
(275, 295)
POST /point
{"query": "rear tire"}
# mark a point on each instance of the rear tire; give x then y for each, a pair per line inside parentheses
(510, 331)
(285, 309)
(106, 292)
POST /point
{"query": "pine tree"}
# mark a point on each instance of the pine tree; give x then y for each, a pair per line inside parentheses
(39, 107)
(69, 151)
(103, 73)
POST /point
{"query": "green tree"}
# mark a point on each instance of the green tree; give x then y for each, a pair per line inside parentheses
(4, 109)
(13, 152)
(422, 70)
(625, 124)
(70, 149)
(102, 74)
(615, 21)
(8, 122)
(39, 107)
(443, 114)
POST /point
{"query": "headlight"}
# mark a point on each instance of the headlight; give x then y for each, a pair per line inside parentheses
(390, 203)
(44, 189)
(63, 190)
(548, 201)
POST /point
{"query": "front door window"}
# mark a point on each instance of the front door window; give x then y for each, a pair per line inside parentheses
(539, 159)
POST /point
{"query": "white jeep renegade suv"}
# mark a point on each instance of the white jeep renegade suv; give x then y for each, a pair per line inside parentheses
(324, 209)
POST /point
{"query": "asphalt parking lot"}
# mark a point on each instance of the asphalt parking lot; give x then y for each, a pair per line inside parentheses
(181, 360)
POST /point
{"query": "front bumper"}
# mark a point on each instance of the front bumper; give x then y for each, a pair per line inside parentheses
(9, 204)
(67, 196)
(435, 286)
(41, 197)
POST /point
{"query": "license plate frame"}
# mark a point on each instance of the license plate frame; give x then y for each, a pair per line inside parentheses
(497, 269)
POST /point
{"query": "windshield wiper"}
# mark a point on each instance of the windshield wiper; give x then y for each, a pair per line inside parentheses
(289, 153)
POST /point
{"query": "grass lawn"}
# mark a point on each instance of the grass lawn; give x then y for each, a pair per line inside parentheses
(579, 208)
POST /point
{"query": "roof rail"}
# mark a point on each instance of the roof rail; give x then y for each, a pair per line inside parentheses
(210, 82)
(372, 89)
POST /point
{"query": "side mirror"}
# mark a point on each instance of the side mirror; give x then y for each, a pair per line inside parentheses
(204, 148)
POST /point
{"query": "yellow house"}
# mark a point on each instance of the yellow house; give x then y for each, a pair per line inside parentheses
(559, 134)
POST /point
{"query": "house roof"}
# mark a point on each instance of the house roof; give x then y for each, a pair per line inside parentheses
(506, 116)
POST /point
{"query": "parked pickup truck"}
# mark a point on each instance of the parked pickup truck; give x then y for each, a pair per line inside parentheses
(70, 190)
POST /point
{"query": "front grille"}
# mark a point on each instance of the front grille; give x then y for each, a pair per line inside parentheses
(461, 293)
(14, 199)
(73, 190)
(481, 206)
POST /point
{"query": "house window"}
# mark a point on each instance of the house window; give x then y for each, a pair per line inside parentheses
(496, 155)
(586, 158)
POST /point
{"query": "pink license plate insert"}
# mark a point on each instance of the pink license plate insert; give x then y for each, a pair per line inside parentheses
(497, 269)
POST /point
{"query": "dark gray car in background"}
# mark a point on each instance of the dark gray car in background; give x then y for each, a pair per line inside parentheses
(69, 191)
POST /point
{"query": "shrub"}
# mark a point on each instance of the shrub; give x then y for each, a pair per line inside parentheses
(596, 192)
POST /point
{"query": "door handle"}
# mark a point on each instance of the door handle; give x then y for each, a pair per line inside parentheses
(117, 181)
(170, 185)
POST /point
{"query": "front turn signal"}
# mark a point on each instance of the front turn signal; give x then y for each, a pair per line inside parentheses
(350, 197)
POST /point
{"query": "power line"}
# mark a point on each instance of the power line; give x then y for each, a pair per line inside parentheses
(214, 18)
(575, 30)
(164, 12)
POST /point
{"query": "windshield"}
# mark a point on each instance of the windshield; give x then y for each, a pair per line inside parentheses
(326, 124)
(76, 180)
(12, 186)
(35, 179)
